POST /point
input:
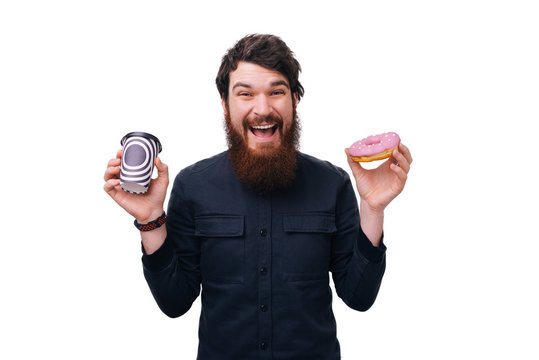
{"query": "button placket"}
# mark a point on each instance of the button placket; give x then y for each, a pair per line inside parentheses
(264, 267)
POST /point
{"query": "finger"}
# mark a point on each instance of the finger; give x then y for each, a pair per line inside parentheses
(348, 158)
(401, 174)
(119, 154)
(110, 186)
(354, 165)
(401, 161)
(114, 162)
(111, 173)
(406, 152)
(162, 170)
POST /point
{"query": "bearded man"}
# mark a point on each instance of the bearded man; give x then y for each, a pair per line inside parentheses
(262, 225)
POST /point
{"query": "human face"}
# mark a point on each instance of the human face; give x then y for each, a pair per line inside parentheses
(260, 105)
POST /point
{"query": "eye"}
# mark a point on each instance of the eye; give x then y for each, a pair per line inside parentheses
(244, 93)
(277, 92)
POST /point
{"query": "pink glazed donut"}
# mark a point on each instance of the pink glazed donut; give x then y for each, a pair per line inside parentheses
(374, 147)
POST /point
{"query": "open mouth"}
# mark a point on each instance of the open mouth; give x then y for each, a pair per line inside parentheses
(263, 131)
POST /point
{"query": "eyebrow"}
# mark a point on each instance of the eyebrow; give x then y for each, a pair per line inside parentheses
(273, 84)
(280, 82)
(241, 84)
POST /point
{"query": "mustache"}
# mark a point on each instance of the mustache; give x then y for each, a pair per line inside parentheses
(259, 120)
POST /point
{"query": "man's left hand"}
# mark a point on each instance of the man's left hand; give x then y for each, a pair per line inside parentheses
(378, 187)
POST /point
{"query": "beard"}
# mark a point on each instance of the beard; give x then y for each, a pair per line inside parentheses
(268, 166)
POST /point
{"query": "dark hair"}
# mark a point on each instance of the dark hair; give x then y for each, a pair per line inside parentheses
(268, 51)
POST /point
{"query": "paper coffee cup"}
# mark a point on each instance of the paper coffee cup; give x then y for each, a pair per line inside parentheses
(139, 150)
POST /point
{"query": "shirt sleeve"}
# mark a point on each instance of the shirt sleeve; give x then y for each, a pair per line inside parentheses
(173, 271)
(357, 266)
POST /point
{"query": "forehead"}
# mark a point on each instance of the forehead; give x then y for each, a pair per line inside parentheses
(255, 75)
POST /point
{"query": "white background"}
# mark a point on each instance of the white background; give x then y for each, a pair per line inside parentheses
(458, 80)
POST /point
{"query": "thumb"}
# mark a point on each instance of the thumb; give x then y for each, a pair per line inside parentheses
(355, 166)
(162, 170)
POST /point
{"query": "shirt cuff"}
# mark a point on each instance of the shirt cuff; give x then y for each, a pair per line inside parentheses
(368, 250)
(160, 259)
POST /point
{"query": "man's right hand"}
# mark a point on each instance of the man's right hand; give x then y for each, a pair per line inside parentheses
(144, 207)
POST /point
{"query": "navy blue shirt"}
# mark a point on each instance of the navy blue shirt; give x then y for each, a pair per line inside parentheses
(264, 261)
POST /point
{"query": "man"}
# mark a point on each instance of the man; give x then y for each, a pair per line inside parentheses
(261, 225)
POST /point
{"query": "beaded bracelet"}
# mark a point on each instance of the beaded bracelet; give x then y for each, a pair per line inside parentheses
(152, 225)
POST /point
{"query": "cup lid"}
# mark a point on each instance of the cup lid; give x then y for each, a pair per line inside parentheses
(142, 134)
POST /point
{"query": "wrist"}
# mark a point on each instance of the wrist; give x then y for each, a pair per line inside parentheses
(369, 210)
(154, 214)
(372, 222)
(153, 240)
(152, 225)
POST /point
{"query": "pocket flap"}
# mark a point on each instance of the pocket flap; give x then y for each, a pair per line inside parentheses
(219, 225)
(314, 222)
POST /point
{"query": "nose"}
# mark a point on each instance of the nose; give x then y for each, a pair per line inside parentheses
(262, 106)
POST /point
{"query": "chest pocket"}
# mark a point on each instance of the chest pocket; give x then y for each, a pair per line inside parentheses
(222, 257)
(307, 245)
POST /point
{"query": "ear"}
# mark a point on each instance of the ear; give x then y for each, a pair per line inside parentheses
(223, 104)
(296, 100)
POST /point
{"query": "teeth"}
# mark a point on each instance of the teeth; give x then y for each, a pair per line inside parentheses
(262, 127)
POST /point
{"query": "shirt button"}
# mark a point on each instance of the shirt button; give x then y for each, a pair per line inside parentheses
(263, 232)
(263, 270)
(264, 308)
(263, 346)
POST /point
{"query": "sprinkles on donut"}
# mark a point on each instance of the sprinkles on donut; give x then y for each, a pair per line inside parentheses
(374, 147)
